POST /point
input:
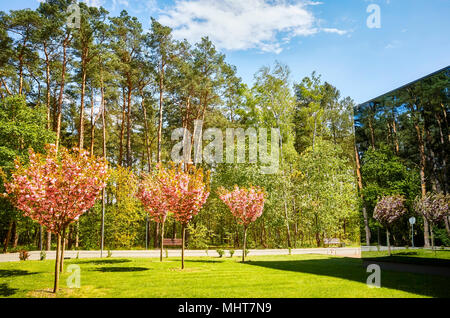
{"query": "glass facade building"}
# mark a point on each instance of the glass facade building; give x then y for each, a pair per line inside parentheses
(403, 145)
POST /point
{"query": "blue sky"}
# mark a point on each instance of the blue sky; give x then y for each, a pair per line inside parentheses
(328, 36)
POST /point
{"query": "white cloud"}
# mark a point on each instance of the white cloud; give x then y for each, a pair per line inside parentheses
(94, 3)
(334, 30)
(243, 24)
(395, 44)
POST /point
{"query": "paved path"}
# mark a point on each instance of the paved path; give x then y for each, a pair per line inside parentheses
(34, 255)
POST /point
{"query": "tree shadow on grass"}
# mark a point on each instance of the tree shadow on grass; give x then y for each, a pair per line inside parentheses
(120, 269)
(6, 291)
(352, 269)
(14, 272)
(202, 261)
(103, 261)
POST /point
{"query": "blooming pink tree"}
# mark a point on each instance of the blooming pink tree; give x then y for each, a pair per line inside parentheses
(246, 205)
(56, 189)
(434, 207)
(152, 194)
(186, 193)
(387, 211)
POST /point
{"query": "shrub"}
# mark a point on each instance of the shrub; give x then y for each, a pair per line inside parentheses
(231, 253)
(198, 236)
(246, 252)
(220, 252)
(290, 251)
(43, 256)
(24, 255)
(109, 254)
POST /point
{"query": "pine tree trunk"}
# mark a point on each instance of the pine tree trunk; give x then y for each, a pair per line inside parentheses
(129, 128)
(122, 128)
(81, 122)
(161, 92)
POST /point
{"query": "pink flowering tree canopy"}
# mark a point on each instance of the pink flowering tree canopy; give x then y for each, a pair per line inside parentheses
(433, 206)
(152, 196)
(56, 188)
(185, 191)
(246, 205)
(389, 209)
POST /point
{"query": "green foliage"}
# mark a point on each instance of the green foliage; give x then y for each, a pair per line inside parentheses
(231, 252)
(327, 193)
(123, 219)
(42, 256)
(198, 236)
(220, 252)
(21, 127)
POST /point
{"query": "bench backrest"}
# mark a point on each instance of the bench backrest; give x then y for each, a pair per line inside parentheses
(332, 241)
(173, 242)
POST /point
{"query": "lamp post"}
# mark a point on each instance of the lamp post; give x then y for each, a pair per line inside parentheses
(412, 221)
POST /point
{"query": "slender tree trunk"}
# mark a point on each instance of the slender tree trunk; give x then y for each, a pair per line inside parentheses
(63, 247)
(6, 87)
(49, 241)
(57, 260)
(147, 147)
(156, 235)
(92, 124)
(360, 186)
(161, 92)
(15, 235)
(122, 128)
(244, 247)
(388, 242)
(8, 236)
(47, 79)
(129, 128)
(183, 234)
(161, 242)
(61, 92)
(447, 227)
(81, 122)
(432, 237)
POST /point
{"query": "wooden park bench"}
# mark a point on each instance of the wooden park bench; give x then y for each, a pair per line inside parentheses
(333, 241)
(172, 242)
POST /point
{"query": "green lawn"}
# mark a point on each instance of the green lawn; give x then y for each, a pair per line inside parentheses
(263, 276)
(407, 256)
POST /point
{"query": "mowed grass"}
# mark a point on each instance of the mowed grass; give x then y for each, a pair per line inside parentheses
(407, 256)
(262, 276)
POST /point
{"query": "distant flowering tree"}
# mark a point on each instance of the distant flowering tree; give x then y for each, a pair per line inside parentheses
(388, 210)
(56, 189)
(246, 205)
(185, 191)
(151, 193)
(434, 207)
